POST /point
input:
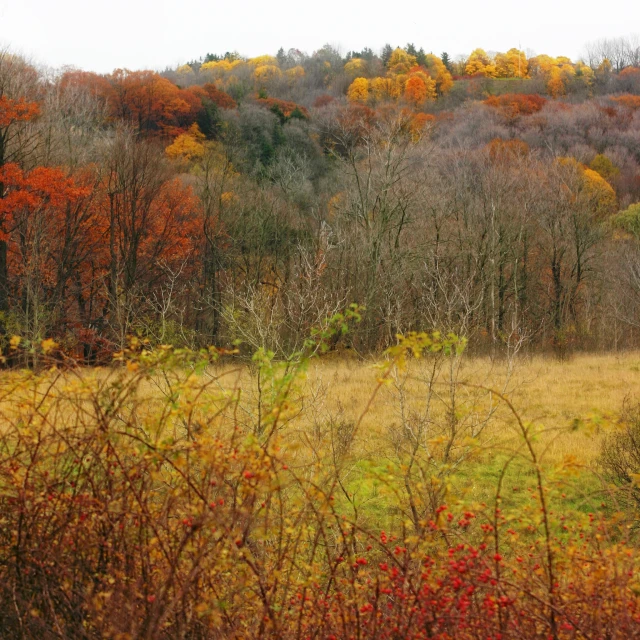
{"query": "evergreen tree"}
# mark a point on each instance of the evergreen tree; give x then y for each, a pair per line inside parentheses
(446, 60)
(387, 50)
(209, 120)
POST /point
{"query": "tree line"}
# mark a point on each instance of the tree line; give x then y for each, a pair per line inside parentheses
(247, 200)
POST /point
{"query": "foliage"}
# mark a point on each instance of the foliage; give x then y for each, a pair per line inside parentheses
(12, 111)
(150, 500)
(321, 178)
(400, 61)
(358, 90)
(440, 73)
(187, 146)
(513, 105)
(479, 63)
(512, 64)
(629, 101)
(355, 66)
(415, 91)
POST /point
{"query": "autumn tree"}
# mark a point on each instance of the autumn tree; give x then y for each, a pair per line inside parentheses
(512, 106)
(415, 92)
(18, 85)
(440, 74)
(355, 67)
(187, 146)
(400, 61)
(512, 64)
(358, 90)
(385, 88)
(146, 100)
(152, 225)
(47, 217)
(480, 63)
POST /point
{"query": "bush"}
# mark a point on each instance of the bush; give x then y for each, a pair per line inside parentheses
(620, 457)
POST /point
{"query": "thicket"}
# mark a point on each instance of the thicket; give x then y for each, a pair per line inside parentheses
(155, 499)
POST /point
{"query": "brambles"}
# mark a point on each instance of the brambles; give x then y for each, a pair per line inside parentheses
(146, 501)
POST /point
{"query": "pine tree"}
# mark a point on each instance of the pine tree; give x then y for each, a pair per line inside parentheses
(387, 50)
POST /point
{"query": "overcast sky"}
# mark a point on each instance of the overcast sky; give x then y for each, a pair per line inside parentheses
(100, 36)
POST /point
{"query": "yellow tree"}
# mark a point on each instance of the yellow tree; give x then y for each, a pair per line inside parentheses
(512, 64)
(600, 192)
(358, 90)
(295, 73)
(401, 61)
(439, 73)
(591, 189)
(266, 72)
(555, 85)
(220, 68)
(584, 73)
(480, 62)
(355, 67)
(188, 146)
(185, 70)
(262, 60)
(541, 65)
(385, 88)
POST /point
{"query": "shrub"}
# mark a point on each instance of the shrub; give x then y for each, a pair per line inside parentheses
(620, 456)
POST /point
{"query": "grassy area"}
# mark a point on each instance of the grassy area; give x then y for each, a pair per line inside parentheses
(550, 393)
(569, 405)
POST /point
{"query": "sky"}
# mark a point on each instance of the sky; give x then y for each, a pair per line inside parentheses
(97, 35)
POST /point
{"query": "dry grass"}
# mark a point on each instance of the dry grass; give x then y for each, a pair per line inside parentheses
(550, 393)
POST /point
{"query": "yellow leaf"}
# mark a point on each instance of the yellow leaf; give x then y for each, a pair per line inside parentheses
(48, 345)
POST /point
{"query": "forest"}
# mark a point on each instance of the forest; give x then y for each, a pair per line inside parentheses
(322, 347)
(233, 199)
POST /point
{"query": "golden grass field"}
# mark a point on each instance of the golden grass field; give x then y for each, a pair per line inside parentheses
(554, 394)
(544, 390)
(586, 391)
(571, 404)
